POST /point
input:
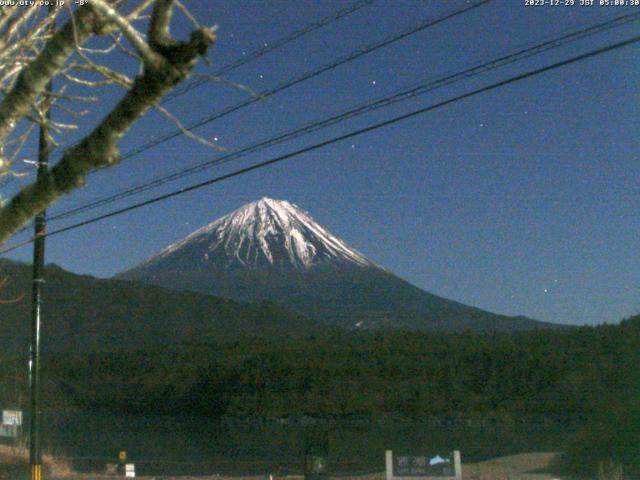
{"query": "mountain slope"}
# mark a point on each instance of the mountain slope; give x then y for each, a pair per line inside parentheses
(267, 233)
(273, 250)
(84, 313)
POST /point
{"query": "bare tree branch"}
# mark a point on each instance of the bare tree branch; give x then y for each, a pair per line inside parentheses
(32, 80)
(188, 133)
(166, 62)
(139, 10)
(159, 35)
(149, 56)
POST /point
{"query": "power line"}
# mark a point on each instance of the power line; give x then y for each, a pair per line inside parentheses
(331, 141)
(367, 107)
(304, 77)
(245, 59)
(271, 47)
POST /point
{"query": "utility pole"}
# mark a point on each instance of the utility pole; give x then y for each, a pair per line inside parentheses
(35, 414)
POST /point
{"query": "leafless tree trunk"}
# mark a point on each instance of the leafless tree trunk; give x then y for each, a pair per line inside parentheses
(165, 62)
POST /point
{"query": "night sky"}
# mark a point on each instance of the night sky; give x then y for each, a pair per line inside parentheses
(523, 200)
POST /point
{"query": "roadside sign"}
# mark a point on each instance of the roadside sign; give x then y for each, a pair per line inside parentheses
(423, 467)
(12, 417)
(8, 431)
(122, 456)
(130, 470)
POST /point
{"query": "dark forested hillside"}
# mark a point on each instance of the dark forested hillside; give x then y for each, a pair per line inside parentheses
(348, 297)
(83, 313)
(553, 373)
(584, 378)
(118, 346)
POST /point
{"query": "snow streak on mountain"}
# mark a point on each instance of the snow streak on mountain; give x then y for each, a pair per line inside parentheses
(266, 233)
(272, 250)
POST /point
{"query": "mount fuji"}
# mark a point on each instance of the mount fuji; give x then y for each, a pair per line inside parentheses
(273, 250)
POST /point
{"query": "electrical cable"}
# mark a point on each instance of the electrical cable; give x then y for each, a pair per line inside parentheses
(367, 107)
(245, 59)
(316, 146)
(302, 78)
(271, 47)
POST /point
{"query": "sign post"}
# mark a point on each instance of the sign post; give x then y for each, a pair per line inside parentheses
(122, 460)
(316, 454)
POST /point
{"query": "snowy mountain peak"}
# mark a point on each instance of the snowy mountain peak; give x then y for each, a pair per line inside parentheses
(266, 232)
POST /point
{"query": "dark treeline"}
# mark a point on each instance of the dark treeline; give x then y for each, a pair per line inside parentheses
(555, 374)
(585, 376)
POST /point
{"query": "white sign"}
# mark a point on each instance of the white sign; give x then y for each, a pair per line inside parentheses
(11, 417)
(130, 470)
(424, 467)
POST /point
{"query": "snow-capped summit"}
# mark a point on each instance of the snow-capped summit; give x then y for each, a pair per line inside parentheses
(272, 250)
(264, 233)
